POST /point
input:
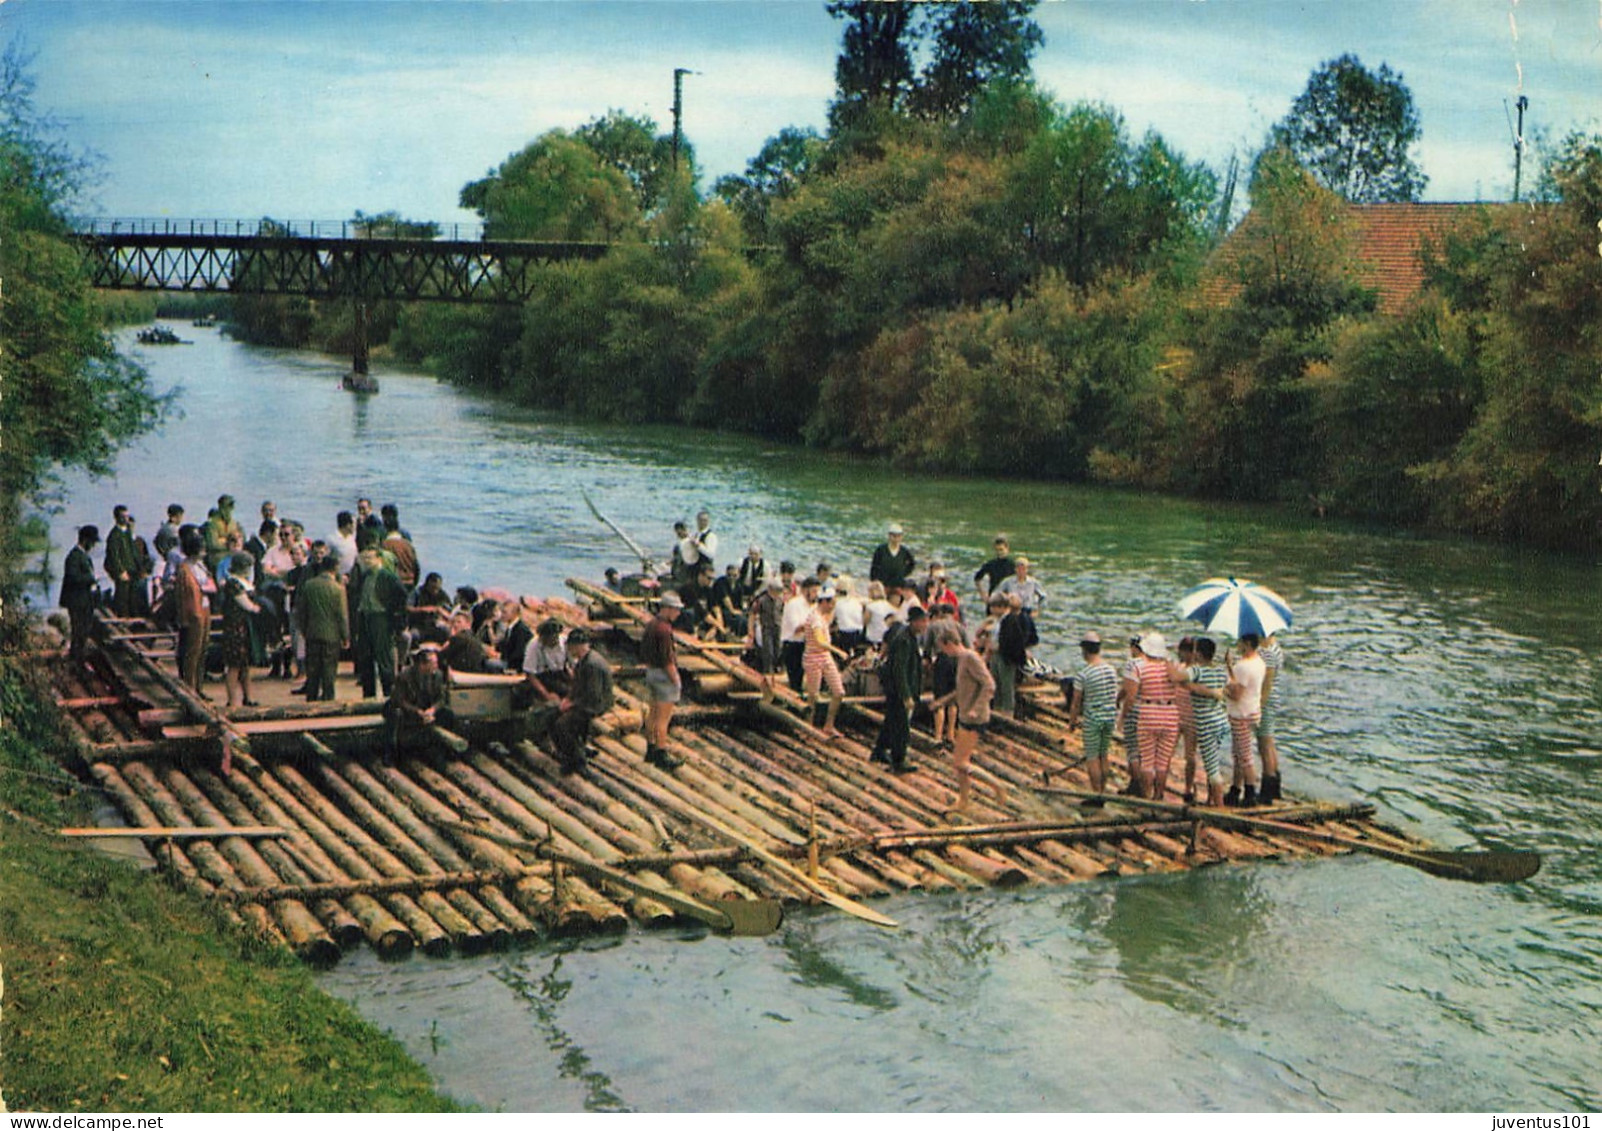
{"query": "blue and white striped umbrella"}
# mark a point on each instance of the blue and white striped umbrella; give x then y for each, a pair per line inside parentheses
(1235, 607)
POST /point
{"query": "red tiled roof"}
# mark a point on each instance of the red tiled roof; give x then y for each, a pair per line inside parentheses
(1389, 241)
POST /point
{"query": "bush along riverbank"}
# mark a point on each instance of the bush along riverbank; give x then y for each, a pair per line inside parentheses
(122, 994)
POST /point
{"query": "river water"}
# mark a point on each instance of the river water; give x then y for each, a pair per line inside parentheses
(1453, 685)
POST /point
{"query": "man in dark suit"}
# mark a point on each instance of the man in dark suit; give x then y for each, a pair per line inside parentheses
(78, 588)
(892, 562)
(122, 564)
(902, 676)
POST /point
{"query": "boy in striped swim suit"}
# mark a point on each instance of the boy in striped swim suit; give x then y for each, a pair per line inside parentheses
(1095, 704)
(1206, 681)
(1131, 715)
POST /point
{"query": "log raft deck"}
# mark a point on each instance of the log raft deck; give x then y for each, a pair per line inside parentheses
(287, 816)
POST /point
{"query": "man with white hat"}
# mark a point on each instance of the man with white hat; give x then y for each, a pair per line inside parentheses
(817, 661)
(663, 684)
(892, 562)
(1151, 685)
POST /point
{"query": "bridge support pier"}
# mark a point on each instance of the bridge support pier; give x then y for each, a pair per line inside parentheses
(360, 359)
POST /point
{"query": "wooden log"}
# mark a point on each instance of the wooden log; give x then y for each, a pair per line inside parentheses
(948, 871)
(177, 832)
(342, 926)
(305, 933)
(424, 836)
(386, 933)
(437, 925)
(482, 932)
(993, 872)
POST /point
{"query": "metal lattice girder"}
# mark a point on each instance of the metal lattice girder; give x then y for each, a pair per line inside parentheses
(495, 271)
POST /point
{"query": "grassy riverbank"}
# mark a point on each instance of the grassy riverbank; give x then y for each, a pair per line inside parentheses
(122, 994)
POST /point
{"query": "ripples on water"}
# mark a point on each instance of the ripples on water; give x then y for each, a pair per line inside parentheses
(1455, 685)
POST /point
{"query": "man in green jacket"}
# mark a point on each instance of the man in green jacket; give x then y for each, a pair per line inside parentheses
(902, 676)
(380, 605)
(324, 620)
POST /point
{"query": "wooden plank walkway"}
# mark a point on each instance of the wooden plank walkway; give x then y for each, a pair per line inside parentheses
(442, 852)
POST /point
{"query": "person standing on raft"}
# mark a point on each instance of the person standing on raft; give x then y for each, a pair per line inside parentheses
(817, 661)
(1151, 686)
(902, 676)
(1244, 694)
(1095, 709)
(663, 683)
(78, 589)
(975, 686)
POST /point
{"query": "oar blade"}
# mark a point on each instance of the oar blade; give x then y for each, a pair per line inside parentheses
(1505, 867)
(750, 918)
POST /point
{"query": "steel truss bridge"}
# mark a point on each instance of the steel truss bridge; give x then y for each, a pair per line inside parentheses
(316, 259)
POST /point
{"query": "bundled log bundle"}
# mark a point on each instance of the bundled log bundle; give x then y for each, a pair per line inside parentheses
(291, 818)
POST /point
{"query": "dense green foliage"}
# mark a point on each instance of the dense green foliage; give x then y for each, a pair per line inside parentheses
(964, 274)
(67, 399)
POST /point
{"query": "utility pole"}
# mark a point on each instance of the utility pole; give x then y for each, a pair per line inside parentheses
(1518, 146)
(678, 111)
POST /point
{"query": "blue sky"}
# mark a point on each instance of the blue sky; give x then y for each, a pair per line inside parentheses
(312, 109)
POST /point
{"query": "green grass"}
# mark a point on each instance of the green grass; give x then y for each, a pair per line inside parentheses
(122, 994)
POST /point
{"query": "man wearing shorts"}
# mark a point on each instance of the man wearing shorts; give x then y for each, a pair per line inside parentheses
(663, 685)
(1095, 707)
(1205, 681)
(818, 666)
(1244, 694)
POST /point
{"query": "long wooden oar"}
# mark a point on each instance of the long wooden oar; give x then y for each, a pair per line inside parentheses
(1494, 867)
(639, 551)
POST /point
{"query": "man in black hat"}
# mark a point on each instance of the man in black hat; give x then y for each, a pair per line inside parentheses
(78, 588)
(590, 696)
(903, 683)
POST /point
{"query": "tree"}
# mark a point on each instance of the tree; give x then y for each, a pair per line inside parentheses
(555, 188)
(964, 48)
(874, 69)
(780, 166)
(70, 400)
(971, 46)
(633, 147)
(1353, 129)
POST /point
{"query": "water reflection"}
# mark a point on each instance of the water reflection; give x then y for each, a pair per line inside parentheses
(1180, 938)
(544, 994)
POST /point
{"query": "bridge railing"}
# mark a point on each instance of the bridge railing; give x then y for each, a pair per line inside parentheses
(302, 229)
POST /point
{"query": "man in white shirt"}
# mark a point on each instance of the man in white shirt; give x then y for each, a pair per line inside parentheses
(796, 611)
(1244, 698)
(342, 543)
(703, 542)
(850, 617)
